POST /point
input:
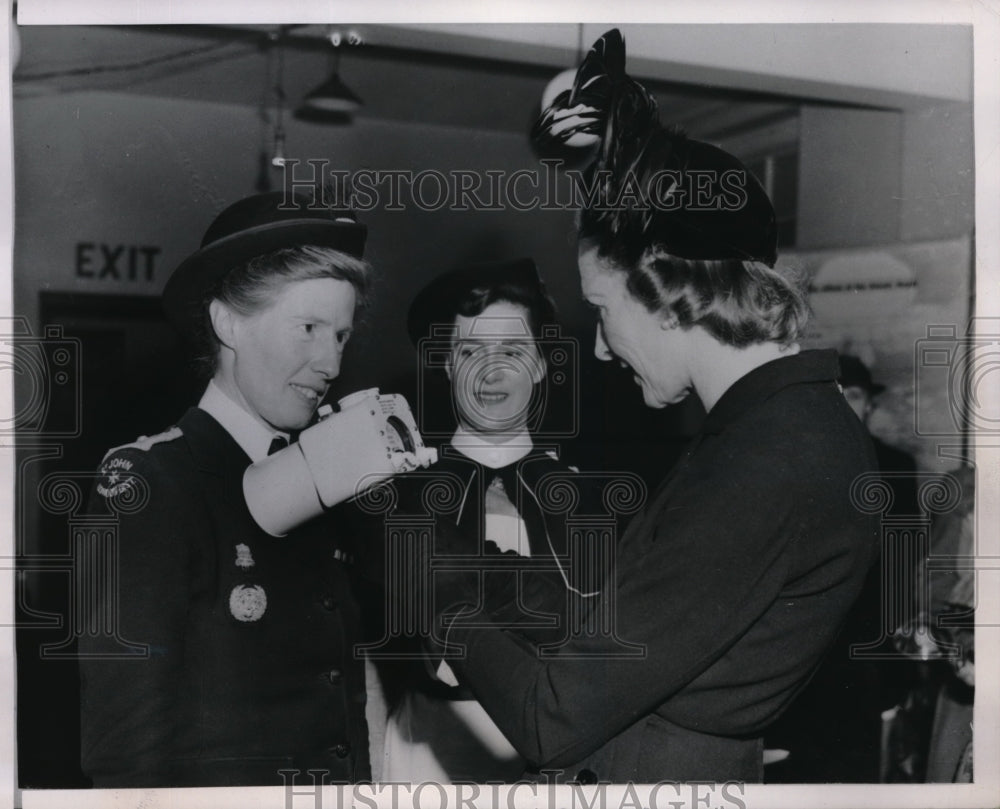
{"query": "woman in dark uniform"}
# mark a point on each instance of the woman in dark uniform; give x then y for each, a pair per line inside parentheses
(488, 320)
(244, 663)
(735, 578)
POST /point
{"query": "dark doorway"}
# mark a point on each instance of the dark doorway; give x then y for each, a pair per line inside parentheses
(134, 380)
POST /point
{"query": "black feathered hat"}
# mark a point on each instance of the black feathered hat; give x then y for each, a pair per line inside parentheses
(650, 183)
(249, 228)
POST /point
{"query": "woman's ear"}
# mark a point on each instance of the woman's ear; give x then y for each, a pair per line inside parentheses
(223, 322)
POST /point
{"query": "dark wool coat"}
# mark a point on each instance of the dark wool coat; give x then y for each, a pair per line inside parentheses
(731, 584)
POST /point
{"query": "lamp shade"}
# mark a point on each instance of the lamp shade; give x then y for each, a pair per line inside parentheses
(332, 96)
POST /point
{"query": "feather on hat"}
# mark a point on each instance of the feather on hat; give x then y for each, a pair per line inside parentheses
(650, 182)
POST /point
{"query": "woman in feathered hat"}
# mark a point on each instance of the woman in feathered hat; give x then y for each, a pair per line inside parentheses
(231, 657)
(735, 578)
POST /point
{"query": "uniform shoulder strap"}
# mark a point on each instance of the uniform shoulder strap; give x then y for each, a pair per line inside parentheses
(146, 442)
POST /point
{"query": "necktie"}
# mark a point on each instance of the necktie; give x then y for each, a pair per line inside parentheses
(497, 499)
(503, 522)
(277, 443)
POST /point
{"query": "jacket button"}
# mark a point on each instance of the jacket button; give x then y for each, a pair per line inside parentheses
(342, 750)
(329, 603)
(586, 777)
(334, 676)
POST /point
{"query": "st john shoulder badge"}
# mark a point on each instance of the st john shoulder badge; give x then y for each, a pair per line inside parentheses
(114, 477)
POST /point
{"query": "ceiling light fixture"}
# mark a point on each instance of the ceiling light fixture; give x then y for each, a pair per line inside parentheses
(333, 97)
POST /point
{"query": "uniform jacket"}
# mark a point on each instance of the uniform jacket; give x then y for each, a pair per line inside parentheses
(732, 582)
(250, 638)
(527, 484)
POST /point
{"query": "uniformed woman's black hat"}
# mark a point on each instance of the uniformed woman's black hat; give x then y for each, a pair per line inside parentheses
(249, 228)
(438, 303)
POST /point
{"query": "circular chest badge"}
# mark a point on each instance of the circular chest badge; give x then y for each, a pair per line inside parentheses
(247, 602)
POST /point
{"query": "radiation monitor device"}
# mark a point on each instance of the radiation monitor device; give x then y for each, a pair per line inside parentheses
(370, 439)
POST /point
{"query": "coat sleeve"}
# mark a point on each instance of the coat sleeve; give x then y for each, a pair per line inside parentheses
(131, 685)
(704, 569)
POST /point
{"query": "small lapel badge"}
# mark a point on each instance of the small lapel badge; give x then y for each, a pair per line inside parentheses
(244, 558)
(247, 602)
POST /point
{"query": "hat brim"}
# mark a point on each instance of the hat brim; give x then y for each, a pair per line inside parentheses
(185, 291)
(437, 303)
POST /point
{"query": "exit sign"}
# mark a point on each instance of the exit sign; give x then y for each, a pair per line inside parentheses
(116, 262)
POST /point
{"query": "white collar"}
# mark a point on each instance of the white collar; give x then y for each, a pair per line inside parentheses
(247, 431)
(495, 456)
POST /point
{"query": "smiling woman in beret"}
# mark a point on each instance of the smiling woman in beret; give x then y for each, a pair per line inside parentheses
(243, 661)
(490, 327)
(735, 578)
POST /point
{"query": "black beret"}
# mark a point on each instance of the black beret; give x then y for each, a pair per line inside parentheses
(438, 302)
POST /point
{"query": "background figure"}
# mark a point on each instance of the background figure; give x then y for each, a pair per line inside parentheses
(900, 467)
(487, 320)
(928, 738)
(833, 729)
(246, 666)
(953, 603)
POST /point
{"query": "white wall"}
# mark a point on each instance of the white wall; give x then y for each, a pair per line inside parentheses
(118, 169)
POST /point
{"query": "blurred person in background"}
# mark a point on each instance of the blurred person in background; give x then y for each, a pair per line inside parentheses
(833, 729)
(899, 466)
(952, 618)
